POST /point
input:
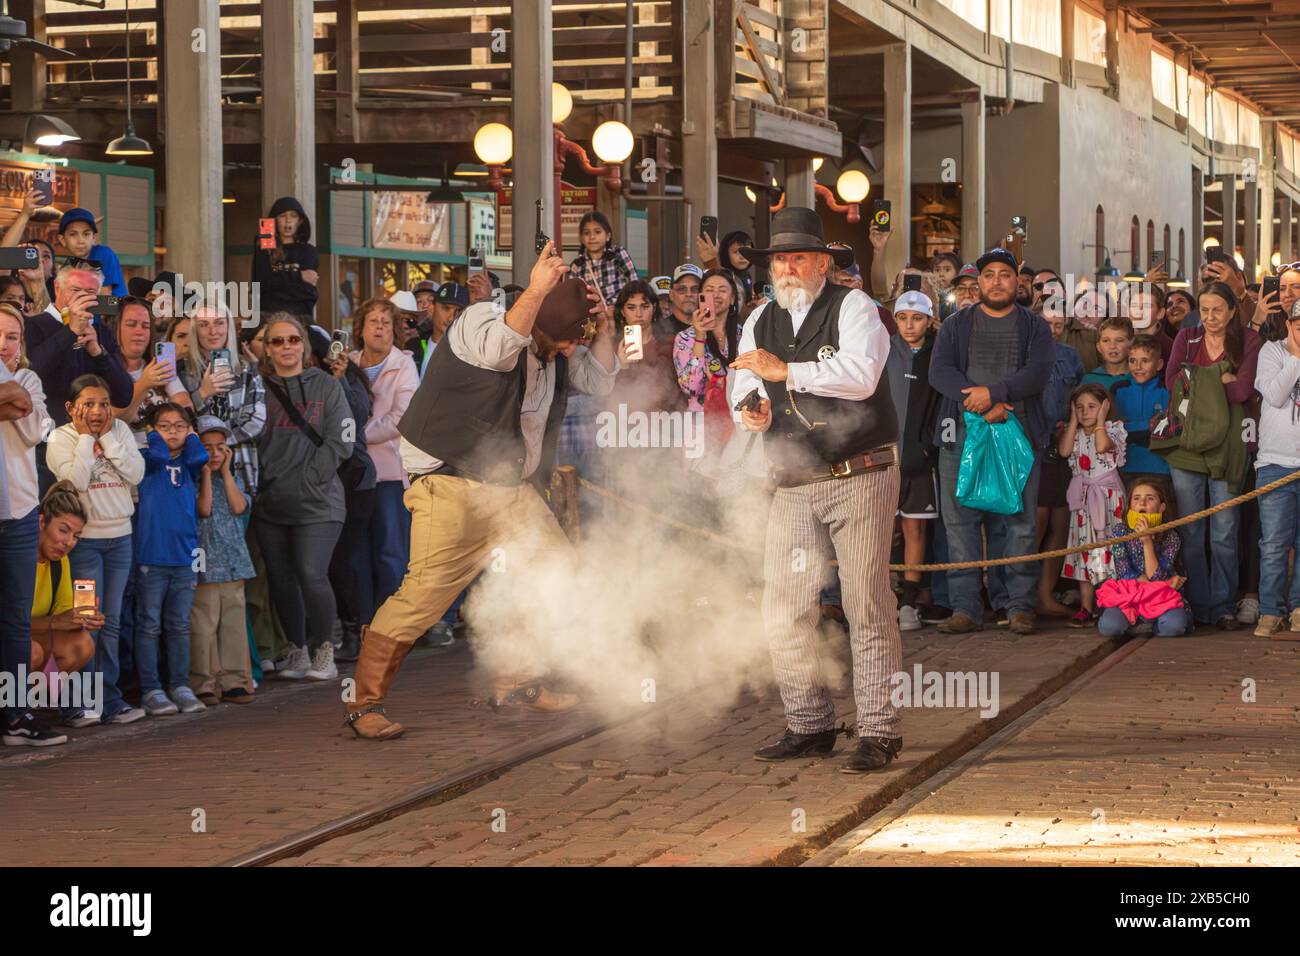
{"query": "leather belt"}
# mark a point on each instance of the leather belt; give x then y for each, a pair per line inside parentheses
(873, 460)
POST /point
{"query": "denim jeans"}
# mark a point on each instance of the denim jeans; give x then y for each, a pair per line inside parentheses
(106, 561)
(1007, 535)
(1175, 623)
(1279, 524)
(381, 557)
(163, 598)
(1211, 578)
(18, 540)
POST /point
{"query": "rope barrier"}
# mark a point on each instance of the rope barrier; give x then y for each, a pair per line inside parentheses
(965, 565)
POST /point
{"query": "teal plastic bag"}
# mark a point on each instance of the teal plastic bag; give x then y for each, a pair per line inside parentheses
(995, 464)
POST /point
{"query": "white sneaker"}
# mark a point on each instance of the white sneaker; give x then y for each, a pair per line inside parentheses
(158, 704)
(1247, 611)
(909, 619)
(295, 666)
(187, 701)
(128, 716)
(1295, 619)
(322, 664)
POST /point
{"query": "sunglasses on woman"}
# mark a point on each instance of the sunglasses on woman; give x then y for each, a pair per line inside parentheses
(280, 340)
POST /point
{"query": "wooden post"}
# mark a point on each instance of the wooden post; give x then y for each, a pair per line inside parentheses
(26, 66)
(288, 104)
(898, 154)
(530, 121)
(972, 177)
(347, 69)
(1229, 202)
(1284, 229)
(699, 128)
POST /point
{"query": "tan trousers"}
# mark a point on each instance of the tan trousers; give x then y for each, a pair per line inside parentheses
(460, 528)
(219, 658)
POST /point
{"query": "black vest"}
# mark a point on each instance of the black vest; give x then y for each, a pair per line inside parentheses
(469, 418)
(850, 426)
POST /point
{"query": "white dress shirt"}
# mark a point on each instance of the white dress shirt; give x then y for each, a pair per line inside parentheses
(481, 337)
(852, 373)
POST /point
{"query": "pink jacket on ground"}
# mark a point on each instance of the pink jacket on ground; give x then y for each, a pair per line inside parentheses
(393, 388)
(1144, 599)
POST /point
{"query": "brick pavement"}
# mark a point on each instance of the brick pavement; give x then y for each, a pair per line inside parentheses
(681, 787)
(1158, 761)
(676, 786)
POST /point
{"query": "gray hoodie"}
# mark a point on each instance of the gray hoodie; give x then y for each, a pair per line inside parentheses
(299, 482)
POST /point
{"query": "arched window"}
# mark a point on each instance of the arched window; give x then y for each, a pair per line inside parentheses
(1167, 249)
(1183, 267)
(1099, 237)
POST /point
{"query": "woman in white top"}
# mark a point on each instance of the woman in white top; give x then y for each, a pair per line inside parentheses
(22, 425)
(98, 454)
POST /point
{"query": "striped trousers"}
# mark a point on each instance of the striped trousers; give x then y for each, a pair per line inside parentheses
(853, 518)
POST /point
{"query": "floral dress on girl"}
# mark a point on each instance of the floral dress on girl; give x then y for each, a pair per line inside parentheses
(1097, 500)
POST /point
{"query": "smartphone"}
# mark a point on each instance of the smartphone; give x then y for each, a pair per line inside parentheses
(1215, 254)
(769, 293)
(107, 305)
(881, 210)
(475, 261)
(1270, 287)
(221, 364)
(1157, 258)
(632, 343)
(912, 281)
(165, 352)
(339, 341)
(540, 239)
(709, 227)
(43, 183)
(83, 597)
(266, 227)
(1020, 224)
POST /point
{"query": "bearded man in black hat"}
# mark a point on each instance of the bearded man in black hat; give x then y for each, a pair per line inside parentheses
(817, 357)
(480, 430)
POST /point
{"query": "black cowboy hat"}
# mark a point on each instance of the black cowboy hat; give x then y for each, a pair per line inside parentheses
(799, 229)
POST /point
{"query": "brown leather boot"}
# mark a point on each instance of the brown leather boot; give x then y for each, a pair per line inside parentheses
(381, 656)
(532, 693)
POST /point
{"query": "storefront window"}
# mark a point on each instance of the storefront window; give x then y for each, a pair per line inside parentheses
(350, 288)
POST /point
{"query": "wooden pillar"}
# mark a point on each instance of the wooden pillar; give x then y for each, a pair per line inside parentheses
(480, 55)
(1250, 228)
(1067, 43)
(1228, 233)
(1285, 246)
(530, 120)
(26, 66)
(288, 103)
(898, 154)
(799, 183)
(1267, 195)
(699, 130)
(972, 178)
(347, 68)
(193, 212)
(1192, 268)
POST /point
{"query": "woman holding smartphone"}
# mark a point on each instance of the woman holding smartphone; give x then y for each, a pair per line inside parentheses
(97, 453)
(701, 353)
(154, 376)
(220, 383)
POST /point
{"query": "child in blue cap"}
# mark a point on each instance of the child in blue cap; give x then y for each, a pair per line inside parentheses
(78, 230)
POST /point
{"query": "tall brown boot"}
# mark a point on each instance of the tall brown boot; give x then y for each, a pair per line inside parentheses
(381, 656)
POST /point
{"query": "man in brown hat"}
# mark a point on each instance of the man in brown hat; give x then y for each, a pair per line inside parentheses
(482, 427)
(817, 357)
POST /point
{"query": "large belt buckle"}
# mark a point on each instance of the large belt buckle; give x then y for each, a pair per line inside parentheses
(846, 465)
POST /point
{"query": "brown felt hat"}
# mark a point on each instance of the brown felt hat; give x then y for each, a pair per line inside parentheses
(565, 314)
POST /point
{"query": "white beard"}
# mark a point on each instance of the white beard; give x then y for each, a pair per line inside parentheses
(793, 296)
